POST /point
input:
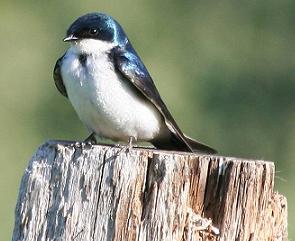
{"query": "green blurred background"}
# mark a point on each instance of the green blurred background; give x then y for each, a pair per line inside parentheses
(226, 70)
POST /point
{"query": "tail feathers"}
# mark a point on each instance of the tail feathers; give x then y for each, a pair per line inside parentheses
(185, 144)
(199, 147)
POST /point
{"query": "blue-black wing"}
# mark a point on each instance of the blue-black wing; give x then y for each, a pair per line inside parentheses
(58, 78)
(131, 67)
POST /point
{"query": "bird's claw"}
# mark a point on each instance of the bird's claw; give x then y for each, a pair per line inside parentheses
(126, 148)
(90, 140)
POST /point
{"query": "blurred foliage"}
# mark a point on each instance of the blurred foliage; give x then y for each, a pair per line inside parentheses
(226, 69)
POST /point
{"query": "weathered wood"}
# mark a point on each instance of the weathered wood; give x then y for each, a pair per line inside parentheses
(72, 191)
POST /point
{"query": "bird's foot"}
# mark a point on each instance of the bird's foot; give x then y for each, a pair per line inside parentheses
(90, 140)
(130, 143)
(127, 148)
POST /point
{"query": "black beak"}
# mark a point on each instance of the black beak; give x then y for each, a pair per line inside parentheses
(70, 38)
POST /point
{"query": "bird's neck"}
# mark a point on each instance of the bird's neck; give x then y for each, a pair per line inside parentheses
(91, 46)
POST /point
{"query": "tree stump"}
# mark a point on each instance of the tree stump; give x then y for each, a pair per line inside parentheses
(76, 191)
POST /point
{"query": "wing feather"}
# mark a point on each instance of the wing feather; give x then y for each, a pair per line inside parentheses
(132, 68)
(58, 78)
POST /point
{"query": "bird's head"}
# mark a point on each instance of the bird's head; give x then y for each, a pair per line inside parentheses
(95, 32)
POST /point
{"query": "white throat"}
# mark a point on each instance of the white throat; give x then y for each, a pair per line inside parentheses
(103, 99)
(91, 46)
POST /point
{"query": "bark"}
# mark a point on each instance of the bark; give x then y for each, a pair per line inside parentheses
(73, 191)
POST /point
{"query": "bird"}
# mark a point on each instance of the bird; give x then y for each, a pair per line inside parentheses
(112, 91)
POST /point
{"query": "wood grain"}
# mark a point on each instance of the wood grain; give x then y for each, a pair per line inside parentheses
(73, 191)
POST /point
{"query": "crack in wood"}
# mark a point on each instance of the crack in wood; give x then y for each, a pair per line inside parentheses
(75, 192)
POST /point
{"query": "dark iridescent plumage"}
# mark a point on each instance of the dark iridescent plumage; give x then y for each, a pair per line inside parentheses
(128, 64)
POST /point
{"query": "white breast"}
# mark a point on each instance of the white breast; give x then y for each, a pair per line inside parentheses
(104, 102)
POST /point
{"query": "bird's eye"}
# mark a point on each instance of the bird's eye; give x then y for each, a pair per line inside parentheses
(93, 31)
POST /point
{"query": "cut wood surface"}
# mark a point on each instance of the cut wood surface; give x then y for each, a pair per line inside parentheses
(73, 191)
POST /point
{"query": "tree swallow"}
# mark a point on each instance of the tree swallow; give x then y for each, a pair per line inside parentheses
(111, 89)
